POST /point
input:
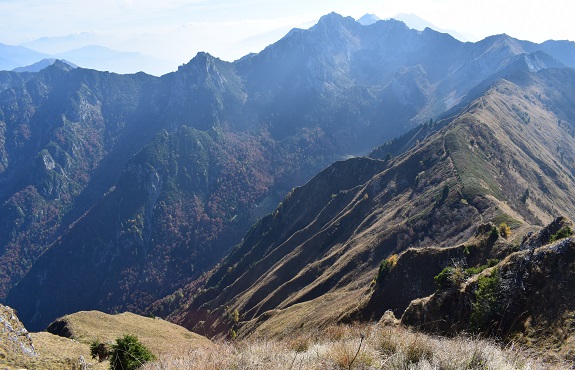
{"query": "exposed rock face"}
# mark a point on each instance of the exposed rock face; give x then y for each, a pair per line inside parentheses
(14, 338)
(413, 274)
(529, 296)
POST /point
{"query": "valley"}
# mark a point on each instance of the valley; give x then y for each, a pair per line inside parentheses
(347, 174)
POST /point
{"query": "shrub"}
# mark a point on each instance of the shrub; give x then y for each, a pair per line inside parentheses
(235, 316)
(450, 276)
(442, 279)
(232, 334)
(494, 235)
(488, 302)
(504, 230)
(129, 354)
(564, 232)
(385, 267)
(477, 269)
(99, 350)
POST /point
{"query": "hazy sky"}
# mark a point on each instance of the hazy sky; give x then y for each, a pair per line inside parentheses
(177, 29)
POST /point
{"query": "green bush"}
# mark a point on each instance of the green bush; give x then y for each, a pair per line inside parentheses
(487, 307)
(477, 269)
(385, 267)
(232, 334)
(442, 279)
(451, 276)
(494, 235)
(129, 354)
(564, 232)
(99, 350)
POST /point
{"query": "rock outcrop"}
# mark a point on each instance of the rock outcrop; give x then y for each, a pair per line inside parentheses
(14, 338)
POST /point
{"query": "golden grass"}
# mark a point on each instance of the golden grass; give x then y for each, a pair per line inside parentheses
(55, 353)
(156, 334)
(52, 353)
(342, 347)
(304, 316)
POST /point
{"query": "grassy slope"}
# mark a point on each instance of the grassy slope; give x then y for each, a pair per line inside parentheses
(340, 247)
(155, 333)
(384, 346)
(509, 142)
(475, 169)
(57, 352)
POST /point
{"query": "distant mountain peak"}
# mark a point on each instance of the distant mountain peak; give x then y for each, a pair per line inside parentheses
(16, 56)
(420, 24)
(44, 63)
(333, 19)
(503, 39)
(205, 55)
(202, 58)
(368, 19)
(63, 64)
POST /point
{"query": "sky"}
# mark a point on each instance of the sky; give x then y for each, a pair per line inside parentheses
(176, 30)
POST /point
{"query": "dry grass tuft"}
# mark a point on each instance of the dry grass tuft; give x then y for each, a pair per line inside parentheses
(342, 347)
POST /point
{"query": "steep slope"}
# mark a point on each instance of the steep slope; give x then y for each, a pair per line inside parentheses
(526, 297)
(500, 160)
(267, 122)
(66, 344)
(170, 214)
(413, 202)
(15, 341)
(58, 130)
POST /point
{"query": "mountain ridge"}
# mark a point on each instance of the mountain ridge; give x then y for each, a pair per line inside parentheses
(221, 143)
(478, 187)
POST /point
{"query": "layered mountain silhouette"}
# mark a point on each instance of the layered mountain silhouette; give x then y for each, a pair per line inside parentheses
(507, 157)
(24, 59)
(119, 190)
(38, 66)
(18, 56)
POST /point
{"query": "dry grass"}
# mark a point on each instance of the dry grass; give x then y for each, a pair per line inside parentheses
(338, 347)
(52, 353)
(156, 334)
(55, 353)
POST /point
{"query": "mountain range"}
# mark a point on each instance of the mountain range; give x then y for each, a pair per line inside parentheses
(161, 53)
(160, 194)
(22, 58)
(18, 56)
(496, 161)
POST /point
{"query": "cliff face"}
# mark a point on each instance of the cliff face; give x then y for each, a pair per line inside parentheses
(15, 340)
(527, 297)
